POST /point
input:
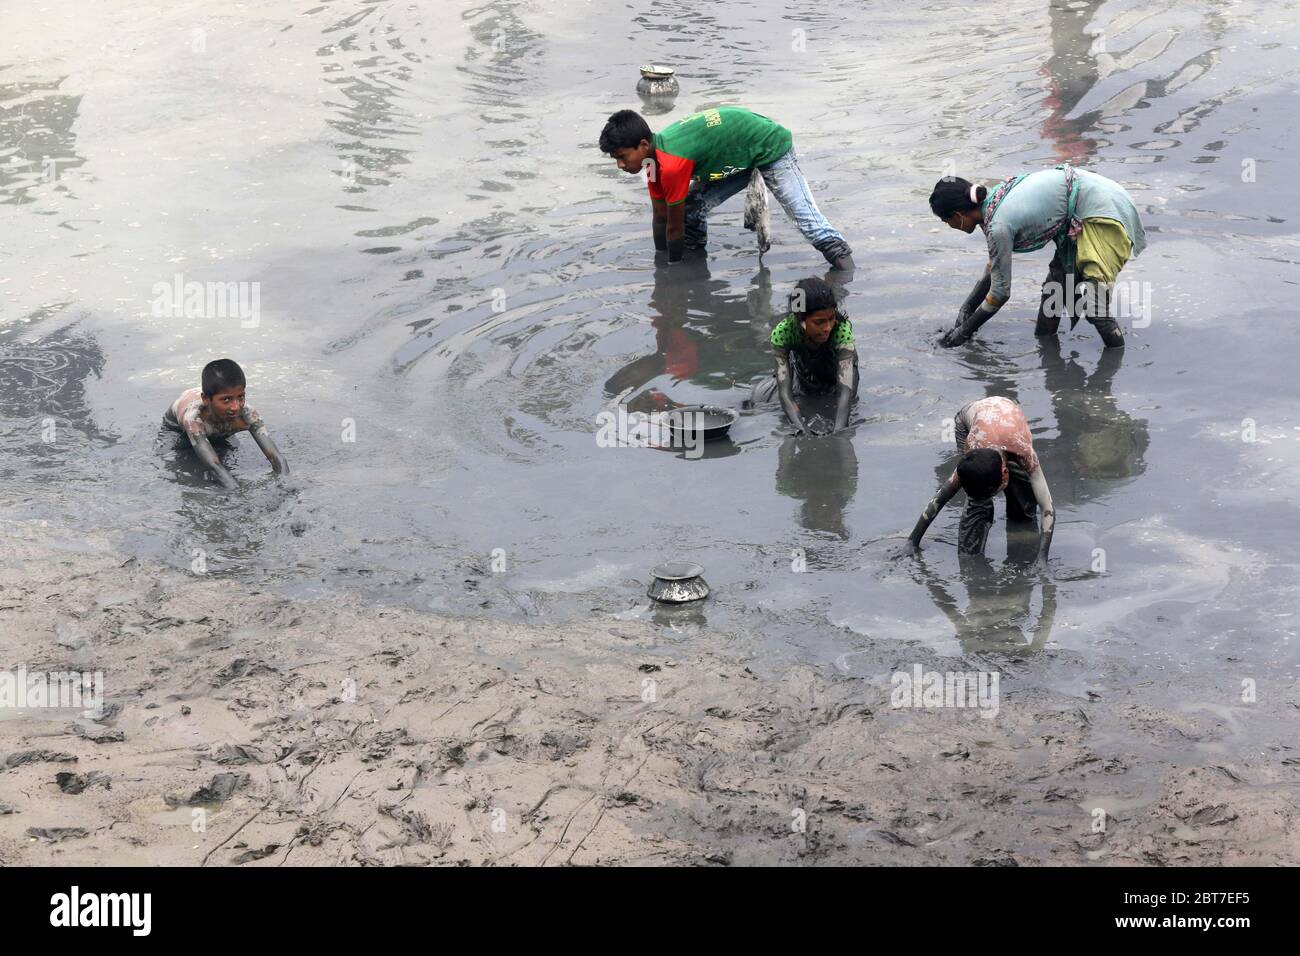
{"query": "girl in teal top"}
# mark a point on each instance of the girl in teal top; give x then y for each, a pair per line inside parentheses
(1092, 221)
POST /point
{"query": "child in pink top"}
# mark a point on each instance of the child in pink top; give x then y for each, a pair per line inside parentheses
(997, 456)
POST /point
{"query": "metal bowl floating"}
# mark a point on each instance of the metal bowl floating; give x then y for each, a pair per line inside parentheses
(677, 582)
(713, 421)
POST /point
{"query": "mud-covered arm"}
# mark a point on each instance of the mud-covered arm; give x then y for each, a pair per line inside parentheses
(980, 306)
(262, 435)
(659, 223)
(949, 488)
(846, 361)
(1047, 514)
(208, 455)
(977, 294)
(785, 389)
(675, 231)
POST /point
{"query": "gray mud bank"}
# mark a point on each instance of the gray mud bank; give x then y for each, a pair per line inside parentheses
(243, 729)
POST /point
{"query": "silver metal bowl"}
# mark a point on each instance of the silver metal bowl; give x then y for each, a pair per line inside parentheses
(677, 582)
(657, 80)
(708, 421)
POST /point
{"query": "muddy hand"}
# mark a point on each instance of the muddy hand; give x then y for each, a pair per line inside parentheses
(908, 549)
(955, 336)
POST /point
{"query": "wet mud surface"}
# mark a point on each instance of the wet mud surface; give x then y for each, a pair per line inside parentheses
(454, 285)
(317, 734)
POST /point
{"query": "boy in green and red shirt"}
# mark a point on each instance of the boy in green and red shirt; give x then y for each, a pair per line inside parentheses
(705, 158)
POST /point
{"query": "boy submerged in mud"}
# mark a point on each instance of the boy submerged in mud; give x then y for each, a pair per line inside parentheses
(814, 352)
(998, 455)
(217, 410)
(705, 158)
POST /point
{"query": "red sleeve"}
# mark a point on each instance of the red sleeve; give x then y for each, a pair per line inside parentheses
(669, 179)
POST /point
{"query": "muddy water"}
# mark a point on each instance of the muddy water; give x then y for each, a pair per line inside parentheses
(452, 284)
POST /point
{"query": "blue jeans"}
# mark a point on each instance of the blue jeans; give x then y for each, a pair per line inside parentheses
(785, 180)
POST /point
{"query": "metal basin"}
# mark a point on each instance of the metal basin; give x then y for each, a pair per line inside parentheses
(715, 421)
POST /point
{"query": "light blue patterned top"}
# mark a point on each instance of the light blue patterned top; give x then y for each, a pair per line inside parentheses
(1039, 200)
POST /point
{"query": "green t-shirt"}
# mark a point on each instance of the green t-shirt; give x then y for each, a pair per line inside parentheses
(788, 334)
(712, 145)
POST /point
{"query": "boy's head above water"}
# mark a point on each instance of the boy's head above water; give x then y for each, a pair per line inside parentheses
(628, 138)
(813, 305)
(223, 387)
(982, 473)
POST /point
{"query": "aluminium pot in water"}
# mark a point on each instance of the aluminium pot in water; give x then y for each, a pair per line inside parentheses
(678, 582)
(657, 80)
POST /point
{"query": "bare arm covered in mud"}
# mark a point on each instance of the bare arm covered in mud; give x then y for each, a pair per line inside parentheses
(263, 438)
(1047, 514)
(659, 223)
(675, 230)
(944, 495)
(208, 455)
(785, 389)
(846, 363)
(977, 294)
(986, 297)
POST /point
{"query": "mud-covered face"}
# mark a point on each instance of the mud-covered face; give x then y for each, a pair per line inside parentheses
(228, 403)
(817, 326)
(630, 159)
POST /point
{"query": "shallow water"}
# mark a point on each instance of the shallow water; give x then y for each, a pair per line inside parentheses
(448, 269)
